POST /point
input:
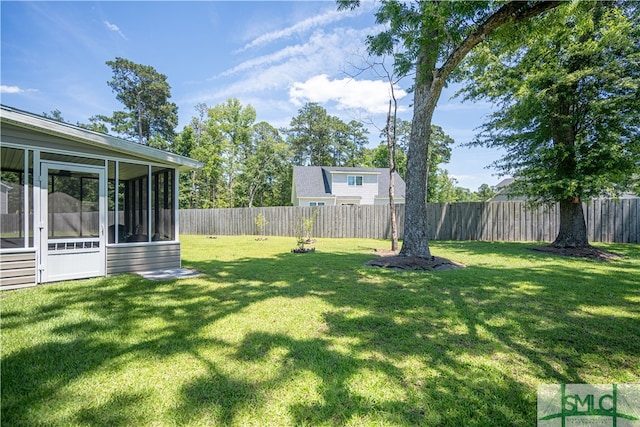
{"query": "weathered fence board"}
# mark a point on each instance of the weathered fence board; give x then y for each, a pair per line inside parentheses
(607, 221)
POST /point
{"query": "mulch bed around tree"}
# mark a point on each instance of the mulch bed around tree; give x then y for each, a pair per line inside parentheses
(581, 252)
(391, 259)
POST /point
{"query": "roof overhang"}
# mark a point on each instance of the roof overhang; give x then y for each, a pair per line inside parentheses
(64, 130)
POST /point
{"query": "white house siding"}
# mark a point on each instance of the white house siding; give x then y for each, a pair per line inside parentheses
(367, 191)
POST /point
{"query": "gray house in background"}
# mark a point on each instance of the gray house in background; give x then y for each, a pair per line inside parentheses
(83, 204)
(503, 195)
(334, 185)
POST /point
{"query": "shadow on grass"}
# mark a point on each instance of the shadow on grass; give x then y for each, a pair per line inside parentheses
(464, 347)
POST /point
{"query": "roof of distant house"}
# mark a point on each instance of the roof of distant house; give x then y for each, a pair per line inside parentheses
(504, 183)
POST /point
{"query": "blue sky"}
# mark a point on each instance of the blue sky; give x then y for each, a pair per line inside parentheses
(275, 56)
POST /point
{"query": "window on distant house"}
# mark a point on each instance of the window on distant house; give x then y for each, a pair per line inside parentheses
(316, 203)
(354, 179)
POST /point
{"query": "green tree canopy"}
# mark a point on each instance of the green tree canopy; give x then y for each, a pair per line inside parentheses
(148, 117)
(378, 157)
(245, 164)
(569, 107)
(485, 192)
(309, 135)
(200, 141)
(319, 139)
(349, 140)
(439, 153)
(233, 125)
(266, 171)
(54, 115)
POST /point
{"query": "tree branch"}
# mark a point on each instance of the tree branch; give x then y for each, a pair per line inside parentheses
(512, 12)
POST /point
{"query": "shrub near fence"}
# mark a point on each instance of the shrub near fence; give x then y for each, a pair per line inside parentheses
(607, 221)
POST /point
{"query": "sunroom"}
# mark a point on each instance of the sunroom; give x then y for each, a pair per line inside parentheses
(77, 204)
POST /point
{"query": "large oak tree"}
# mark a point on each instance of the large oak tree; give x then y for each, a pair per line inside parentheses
(569, 107)
(436, 36)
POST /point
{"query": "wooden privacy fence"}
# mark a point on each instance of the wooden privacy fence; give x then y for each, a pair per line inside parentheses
(607, 221)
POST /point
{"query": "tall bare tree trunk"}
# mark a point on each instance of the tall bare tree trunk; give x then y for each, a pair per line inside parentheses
(192, 196)
(140, 113)
(391, 145)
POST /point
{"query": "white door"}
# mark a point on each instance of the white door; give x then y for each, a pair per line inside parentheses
(72, 244)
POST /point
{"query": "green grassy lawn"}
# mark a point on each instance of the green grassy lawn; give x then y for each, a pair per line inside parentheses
(267, 337)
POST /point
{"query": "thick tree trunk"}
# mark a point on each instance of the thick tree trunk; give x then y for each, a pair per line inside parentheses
(573, 227)
(415, 241)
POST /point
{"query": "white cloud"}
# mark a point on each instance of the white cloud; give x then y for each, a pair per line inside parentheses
(10, 89)
(371, 96)
(14, 89)
(261, 81)
(301, 27)
(281, 55)
(114, 28)
(323, 53)
(322, 50)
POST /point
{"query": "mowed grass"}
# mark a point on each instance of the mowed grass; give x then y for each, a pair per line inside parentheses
(267, 337)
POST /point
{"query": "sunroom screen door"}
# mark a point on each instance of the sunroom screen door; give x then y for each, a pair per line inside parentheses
(73, 221)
